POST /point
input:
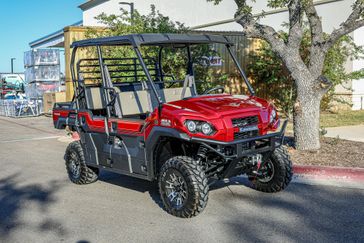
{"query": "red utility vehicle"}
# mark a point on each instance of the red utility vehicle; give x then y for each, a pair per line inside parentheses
(135, 120)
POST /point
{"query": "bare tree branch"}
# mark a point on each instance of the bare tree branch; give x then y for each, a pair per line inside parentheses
(354, 21)
(295, 20)
(289, 54)
(345, 29)
(317, 55)
(253, 29)
(315, 22)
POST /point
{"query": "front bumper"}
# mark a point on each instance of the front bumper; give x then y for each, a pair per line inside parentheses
(268, 142)
(243, 148)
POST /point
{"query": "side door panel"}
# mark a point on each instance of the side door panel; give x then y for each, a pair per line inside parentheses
(123, 149)
(98, 150)
(128, 152)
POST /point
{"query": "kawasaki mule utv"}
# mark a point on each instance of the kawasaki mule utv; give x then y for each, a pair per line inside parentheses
(135, 119)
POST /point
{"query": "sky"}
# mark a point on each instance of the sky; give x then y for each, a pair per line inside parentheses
(23, 21)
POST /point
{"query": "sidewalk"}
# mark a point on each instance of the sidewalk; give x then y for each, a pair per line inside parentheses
(353, 133)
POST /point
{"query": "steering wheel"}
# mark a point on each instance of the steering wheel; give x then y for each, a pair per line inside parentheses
(219, 87)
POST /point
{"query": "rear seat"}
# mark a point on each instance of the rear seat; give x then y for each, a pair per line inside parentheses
(134, 102)
(94, 98)
(137, 102)
(131, 103)
(174, 94)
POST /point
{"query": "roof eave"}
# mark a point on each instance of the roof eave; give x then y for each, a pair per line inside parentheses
(90, 4)
(54, 35)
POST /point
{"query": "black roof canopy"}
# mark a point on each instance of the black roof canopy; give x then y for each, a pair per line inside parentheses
(154, 39)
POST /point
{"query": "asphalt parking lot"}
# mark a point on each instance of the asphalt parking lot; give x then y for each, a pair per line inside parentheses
(39, 204)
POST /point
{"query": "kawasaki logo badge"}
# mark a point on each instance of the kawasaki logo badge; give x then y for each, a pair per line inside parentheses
(248, 128)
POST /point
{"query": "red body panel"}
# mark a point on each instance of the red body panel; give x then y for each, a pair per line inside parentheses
(218, 110)
(126, 126)
(97, 124)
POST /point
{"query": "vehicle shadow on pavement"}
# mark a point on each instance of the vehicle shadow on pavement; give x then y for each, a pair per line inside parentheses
(152, 187)
(16, 198)
(133, 184)
(237, 181)
(300, 213)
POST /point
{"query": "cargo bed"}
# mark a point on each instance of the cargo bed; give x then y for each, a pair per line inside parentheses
(64, 114)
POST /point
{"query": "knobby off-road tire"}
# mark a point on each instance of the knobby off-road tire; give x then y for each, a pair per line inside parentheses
(192, 179)
(282, 175)
(78, 172)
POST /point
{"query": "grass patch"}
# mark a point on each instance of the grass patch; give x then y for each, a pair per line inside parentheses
(342, 118)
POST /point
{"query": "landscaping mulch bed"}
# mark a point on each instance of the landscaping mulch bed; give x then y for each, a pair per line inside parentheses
(333, 152)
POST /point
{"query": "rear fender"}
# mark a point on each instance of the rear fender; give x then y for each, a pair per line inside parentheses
(63, 118)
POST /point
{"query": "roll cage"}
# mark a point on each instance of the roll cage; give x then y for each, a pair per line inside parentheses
(149, 69)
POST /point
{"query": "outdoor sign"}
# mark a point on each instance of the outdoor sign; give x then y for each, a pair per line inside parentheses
(212, 61)
(215, 61)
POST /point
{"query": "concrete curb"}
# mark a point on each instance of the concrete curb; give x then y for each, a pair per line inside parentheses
(329, 172)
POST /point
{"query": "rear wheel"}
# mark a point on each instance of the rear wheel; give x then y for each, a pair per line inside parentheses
(183, 187)
(78, 171)
(274, 173)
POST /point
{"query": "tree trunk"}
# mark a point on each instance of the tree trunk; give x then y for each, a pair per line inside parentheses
(307, 117)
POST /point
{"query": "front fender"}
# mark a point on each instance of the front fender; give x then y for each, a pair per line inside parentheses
(152, 141)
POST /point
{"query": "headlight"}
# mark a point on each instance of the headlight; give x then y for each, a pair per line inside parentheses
(206, 128)
(191, 126)
(272, 116)
(200, 127)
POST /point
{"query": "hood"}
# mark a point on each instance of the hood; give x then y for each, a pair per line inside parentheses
(215, 106)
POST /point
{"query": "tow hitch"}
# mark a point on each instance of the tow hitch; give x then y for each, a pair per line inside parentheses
(263, 169)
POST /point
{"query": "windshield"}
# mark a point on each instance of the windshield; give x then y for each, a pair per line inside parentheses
(211, 66)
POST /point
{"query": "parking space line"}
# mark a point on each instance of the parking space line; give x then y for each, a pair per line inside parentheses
(29, 139)
(26, 126)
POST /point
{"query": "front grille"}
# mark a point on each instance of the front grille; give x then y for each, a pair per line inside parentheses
(245, 121)
(243, 135)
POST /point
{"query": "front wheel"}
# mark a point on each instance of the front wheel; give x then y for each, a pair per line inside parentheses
(274, 173)
(78, 171)
(183, 187)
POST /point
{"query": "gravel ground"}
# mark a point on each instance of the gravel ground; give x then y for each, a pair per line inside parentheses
(333, 152)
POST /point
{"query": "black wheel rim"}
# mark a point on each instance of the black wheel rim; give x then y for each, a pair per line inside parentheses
(175, 189)
(266, 171)
(74, 165)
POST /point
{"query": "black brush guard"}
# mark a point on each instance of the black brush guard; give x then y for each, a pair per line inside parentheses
(264, 143)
